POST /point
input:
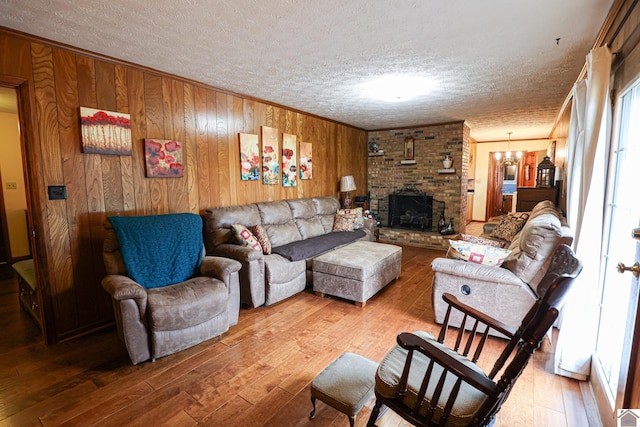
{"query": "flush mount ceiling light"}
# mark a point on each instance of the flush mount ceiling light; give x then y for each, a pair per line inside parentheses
(398, 87)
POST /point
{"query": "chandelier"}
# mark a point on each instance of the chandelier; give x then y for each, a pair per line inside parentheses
(507, 159)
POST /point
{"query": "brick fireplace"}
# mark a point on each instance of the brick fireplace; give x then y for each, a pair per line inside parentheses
(390, 172)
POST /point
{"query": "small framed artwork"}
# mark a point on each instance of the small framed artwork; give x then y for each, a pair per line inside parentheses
(249, 157)
(408, 148)
(306, 165)
(163, 158)
(105, 132)
(270, 160)
(289, 167)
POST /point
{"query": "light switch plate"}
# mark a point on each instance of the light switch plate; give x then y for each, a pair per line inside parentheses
(57, 192)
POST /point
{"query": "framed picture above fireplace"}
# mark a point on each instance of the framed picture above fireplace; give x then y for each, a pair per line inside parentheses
(408, 148)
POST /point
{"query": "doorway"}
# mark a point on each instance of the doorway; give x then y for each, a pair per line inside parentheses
(4, 232)
(16, 236)
(613, 363)
(494, 187)
(504, 180)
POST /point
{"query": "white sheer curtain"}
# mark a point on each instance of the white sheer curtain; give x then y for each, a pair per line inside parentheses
(587, 149)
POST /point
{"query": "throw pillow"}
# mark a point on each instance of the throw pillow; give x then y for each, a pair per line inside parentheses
(479, 254)
(246, 237)
(482, 241)
(510, 225)
(359, 222)
(344, 222)
(263, 238)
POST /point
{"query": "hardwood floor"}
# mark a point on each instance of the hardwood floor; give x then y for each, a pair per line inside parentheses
(256, 374)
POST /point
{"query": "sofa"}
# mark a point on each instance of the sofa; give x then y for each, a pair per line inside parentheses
(298, 230)
(508, 291)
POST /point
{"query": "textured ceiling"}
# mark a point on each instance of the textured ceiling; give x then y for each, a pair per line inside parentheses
(496, 63)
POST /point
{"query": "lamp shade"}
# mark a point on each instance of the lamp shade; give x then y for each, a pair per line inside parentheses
(347, 183)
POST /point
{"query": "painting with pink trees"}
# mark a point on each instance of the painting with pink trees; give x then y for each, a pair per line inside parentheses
(105, 132)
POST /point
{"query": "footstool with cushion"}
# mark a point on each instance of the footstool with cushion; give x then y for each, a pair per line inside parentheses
(28, 285)
(356, 271)
(345, 385)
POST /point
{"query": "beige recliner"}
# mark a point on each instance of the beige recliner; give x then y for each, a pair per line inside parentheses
(507, 292)
(159, 321)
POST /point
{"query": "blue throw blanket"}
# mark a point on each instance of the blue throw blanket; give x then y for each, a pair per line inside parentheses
(160, 250)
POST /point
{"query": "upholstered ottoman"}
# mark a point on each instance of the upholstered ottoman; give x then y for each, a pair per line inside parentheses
(345, 385)
(356, 271)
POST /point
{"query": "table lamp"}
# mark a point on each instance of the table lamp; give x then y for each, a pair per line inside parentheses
(347, 184)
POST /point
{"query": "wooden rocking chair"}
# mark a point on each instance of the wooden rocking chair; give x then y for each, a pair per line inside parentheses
(429, 384)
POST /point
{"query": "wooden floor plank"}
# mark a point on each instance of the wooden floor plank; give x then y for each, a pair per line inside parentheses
(258, 373)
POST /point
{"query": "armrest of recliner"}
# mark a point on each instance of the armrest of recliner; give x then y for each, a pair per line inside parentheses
(471, 271)
(122, 287)
(478, 315)
(488, 227)
(219, 268)
(130, 306)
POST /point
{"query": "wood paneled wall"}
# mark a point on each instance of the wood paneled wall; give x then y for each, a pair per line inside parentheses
(55, 81)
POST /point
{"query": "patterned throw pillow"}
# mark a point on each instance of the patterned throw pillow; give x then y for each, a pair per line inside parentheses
(344, 222)
(245, 237)
(263, 238)
(482, 241)
(359, 222)
(510, 225)
(479, 254)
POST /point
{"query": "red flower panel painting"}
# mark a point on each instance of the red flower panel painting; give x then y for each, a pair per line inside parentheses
(163, 158)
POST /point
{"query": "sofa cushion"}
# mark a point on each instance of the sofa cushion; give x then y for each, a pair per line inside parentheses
(245, 237)
(510, 225)
(327, 222)
(262, 237)
(186, 304)
(306, 218)
(359, 222)
(278, 269)
(302, 208)
(218, 223)
(344, 222)
(311, 227)
(281, 234)
(480, 254)
(535, 245)
(277, 221)
(326, 208)
(482, 240)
